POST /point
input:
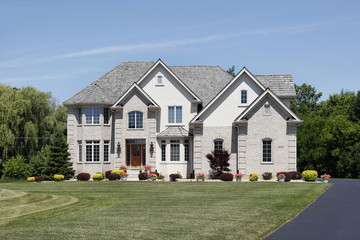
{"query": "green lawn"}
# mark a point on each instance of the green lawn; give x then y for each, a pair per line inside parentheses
(150, 210)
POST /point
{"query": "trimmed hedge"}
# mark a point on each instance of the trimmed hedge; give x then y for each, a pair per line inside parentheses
(83, 177)
(310, 175)
(114, 176)
(173, 177)
(59, 177)
(226, 177)
(98, 176)
(253, 177)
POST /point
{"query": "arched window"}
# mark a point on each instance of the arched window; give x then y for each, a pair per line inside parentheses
(267, 150)
(135, 119)
(218, 144)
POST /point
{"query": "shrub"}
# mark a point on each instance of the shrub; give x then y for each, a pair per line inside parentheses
(226, 177)
(116, 171)
(253, 177)
(174, 176)
(156, 173)
(39, 179)
(267, 175)
(98, 176)
(107, 173)
(114, 176)
(295, 175)
(16, 168)
(142, 176)
(83, 177)
(287, 176)
(161, 177)
(219, 163)
(31, 179)
(59, 177)
(310, 175)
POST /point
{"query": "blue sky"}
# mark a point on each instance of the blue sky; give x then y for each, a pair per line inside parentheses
(62, 46)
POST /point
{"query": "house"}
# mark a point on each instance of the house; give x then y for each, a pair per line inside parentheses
(170, 117)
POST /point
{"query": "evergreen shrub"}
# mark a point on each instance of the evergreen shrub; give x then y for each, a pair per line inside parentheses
(226, 177)
(310, 175)
(267, 175)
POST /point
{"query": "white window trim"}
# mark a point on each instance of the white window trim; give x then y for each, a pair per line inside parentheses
(135, 128)
(92, 150)
(92, 116)
(240, 97)
(262, 151)
(179, 145)
(107, 143)
(80, 152)
(182, 115)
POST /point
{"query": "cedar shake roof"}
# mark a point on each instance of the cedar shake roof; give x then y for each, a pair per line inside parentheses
(204, 81)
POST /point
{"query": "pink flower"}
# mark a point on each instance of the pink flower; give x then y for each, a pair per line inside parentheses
(238, 175)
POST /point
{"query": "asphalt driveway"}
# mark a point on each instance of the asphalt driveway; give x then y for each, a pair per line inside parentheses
(334, 215)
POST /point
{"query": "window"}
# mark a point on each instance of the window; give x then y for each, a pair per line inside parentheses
(106, 151)
(174, 150)
(79, 115)
(186, 146)
(163, 150)
(243, 96)
(135, 119)
(92, 115)
(106, 115)
(218, 144)
(175, 114)
(79, 151)
(159, 80)
(267, 108)
(92, 151)
(267, 150)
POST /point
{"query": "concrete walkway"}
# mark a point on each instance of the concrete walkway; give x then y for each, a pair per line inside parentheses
(334, 215)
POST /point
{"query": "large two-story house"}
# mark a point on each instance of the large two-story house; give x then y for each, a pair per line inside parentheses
(170, 117)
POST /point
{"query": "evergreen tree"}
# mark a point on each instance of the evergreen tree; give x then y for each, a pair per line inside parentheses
(59, 161)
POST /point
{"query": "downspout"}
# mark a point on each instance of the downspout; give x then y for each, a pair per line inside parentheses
(237, 149)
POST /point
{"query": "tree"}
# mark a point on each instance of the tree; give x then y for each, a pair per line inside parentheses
(219, 162)
(59, 161)
(306, 99)
(38, 162)
(16, 168)
(231, 71)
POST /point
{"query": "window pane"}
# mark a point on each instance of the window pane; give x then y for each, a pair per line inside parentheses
(80, 151)
(266, 150)
(243, 96)
(163, 150)
(96, 115)
(175, 150)
(88, 113)
(131, 119)
(178, 114)
(96, 151)
(106, 115)
(88, 151)
(79, 116)
(171, 114)
(106, 151)
(139, 120)
(218, 144)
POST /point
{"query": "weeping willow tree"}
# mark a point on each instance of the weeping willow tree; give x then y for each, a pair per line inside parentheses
(28, 119)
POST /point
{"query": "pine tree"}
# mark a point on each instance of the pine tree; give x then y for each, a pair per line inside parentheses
(59, 161)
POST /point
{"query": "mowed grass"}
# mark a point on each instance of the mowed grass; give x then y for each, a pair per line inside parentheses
(150, 210)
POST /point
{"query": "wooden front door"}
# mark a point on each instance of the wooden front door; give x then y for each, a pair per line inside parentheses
(135, 153)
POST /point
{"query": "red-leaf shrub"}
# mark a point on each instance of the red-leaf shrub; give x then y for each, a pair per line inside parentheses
(39, 179)
(83, 177)
(107, 173)
(219, 162)
(226, 177)
(114, 176)
(142, 176)
(295, 175)
(174, 176)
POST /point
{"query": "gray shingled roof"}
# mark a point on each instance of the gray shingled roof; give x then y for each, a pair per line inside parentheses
(204, 81)
(174, 131)
(281, 85)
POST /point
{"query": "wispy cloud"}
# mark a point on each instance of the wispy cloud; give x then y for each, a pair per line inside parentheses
(167, 44)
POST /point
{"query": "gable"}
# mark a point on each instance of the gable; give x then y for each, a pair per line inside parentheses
(226, 106)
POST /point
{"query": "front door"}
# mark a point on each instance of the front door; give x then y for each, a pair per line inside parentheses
(135, 155)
